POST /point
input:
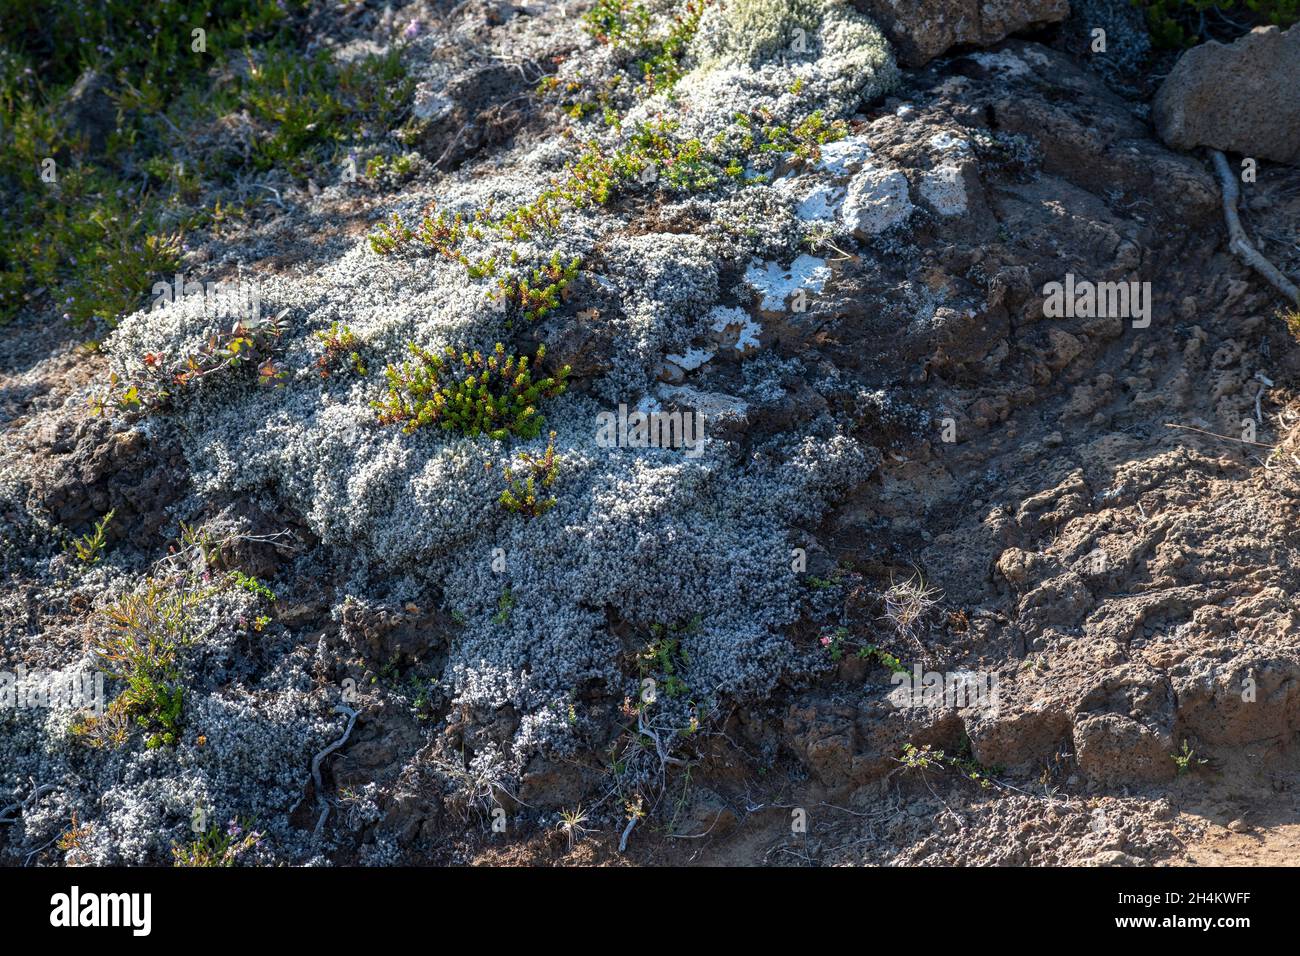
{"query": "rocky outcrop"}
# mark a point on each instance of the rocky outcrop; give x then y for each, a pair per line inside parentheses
(1241, 98)
(923, 29)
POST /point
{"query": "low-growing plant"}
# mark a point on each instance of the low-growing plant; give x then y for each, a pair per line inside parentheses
(520, 494)
(467, 392)
(907, 605)
(219, 847)
(146, 632)
(252, 585)
(505, 604)
(838, 640)
(1186, 760)
(539, 294)
(90, 547)
(339, 344)
(664, 657)
(247, 343)
(1180, 23)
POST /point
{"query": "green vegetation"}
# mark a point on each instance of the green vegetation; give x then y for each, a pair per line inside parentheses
(245, 344)
(469, 393)
(95, 197)
(1186, 760)
(90, 547)
(252, 585)
(625, 25)
(1181, 23)
(339, 344)
(147, 631)
(664, 657)
(217, 847)
(505, 604)
(837, 641)
(926, 757)
(520, 495)
(537, 295)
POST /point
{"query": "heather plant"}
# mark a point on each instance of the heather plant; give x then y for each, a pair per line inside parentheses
(467, 392)
(147, 630)
(340, 348)
(219, 847)
(538, 294)
(520, 494)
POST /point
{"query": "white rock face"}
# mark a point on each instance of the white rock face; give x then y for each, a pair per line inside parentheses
(944, 189)
(821, 204)
(734, 329)
(877, 199)
(776, 284)
(844, 155)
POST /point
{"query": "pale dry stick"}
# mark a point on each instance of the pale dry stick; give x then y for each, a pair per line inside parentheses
(316, 762)
(1202, 431)
(1237, 240)
(627, 832)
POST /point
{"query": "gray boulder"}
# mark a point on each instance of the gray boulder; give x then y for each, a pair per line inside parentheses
(1242, 97)
(922, 29)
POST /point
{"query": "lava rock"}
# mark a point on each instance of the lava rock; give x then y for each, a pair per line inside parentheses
(1242, 97)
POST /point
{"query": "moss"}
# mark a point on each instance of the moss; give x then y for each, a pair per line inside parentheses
(758, 30)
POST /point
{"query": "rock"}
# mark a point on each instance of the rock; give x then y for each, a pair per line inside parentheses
(1114, 750)
(1242, 98)
(89, 111)
(945, 190)
(1112, 858)
(920, 30)
(876, 199)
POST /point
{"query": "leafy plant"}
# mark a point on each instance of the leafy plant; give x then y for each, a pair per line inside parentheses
(89, 547)
(520, 495)
(1186, 760)
(469, 393)
(339, 343)
(252, 585)
(246, 343)
(218, 847)
(147, 630)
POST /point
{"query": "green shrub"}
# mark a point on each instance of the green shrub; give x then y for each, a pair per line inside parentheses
(1181, 23)
(468, 393)
(520, 495)
(147, 630)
